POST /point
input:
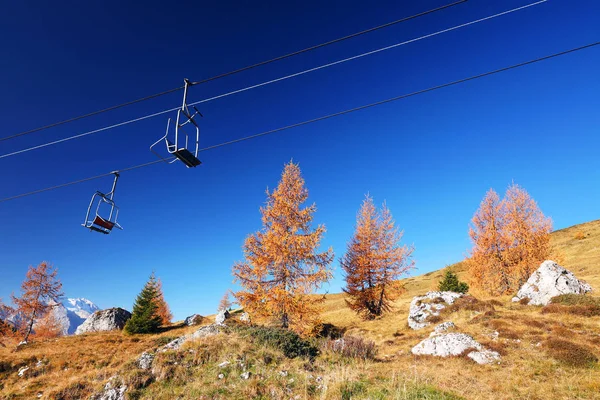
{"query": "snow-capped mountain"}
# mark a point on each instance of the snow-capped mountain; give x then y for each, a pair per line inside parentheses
(72, 312)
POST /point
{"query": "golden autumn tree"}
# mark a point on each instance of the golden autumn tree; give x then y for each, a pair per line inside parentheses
(282, 265)
(163, 310)
(374, 260)
(40, 289)
(47, 326)
(510, 239)
(225, 303)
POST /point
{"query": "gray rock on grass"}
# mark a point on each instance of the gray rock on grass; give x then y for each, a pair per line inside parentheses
(104, 320)
(455, 344)
(421, 307)
(548, 281)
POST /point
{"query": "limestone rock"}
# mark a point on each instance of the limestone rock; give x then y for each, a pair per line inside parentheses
(550, 280)
(193, 319)
(221, 317)
(145, 360)
(454, 344)
(245, 317)
(22, 371)
(113, 390)
(441, 328)
(205, 331)
(105, 320)
(430, 304)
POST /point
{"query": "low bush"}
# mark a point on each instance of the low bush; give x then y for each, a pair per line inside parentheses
(328, 331)
(570, 353)
(289, 342)
(353, 347)
(579, 235)
(450, 283)
(576, 304)
(470, 303)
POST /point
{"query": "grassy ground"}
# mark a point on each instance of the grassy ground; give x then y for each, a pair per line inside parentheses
(546, 352)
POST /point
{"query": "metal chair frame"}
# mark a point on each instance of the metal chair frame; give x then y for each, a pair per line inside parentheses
(182, 152)
(99, 223)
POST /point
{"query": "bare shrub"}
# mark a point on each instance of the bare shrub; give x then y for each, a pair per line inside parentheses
(570, 353)
(353, 347)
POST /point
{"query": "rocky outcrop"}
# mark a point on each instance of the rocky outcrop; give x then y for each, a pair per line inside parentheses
(221, 317)
(105, 320)
(193, 319)
(455, 344)
(550, 280)
(113, 390)
(205, 331)
(421, 307)
(145, 360)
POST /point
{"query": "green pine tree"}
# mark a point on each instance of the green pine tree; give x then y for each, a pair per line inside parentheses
(450, 283)
(145, 317)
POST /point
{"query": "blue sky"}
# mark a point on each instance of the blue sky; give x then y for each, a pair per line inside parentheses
(431, 157)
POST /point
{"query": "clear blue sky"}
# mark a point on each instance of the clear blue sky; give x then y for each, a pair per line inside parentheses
(431, 157)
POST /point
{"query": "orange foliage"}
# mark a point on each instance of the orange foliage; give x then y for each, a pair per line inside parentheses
(374, 260)
(510, 239)
(48, 326)
(163, 310)
(40, 288)
(282, 265)
(224, 304)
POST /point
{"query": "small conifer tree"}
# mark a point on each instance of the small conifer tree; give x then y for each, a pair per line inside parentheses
(450, 283)
(145, 317)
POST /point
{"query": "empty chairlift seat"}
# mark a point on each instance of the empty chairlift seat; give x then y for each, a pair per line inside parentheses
(102, 213)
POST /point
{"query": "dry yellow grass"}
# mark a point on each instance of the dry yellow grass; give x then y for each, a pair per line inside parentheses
(536, 361)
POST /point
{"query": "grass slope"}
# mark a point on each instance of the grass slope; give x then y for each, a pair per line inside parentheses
(546, 353)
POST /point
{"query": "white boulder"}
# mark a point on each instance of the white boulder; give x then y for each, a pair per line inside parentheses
(105, 320)
(205, 331)
(550, 280)
(113, 390)
(221, 317)
(430, 304)
(454, 344)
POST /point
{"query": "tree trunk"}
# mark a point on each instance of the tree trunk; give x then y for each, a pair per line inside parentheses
(30, 327)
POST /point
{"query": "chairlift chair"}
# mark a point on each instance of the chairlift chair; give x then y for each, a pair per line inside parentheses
(178, 145)
(104, 223)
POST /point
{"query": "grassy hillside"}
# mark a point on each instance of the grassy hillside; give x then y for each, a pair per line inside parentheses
(546, 353)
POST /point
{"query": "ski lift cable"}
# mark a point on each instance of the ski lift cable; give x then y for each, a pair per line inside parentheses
(272, 81)
(348, 111)
(233, 72)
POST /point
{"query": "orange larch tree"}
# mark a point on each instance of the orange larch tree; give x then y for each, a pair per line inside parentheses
(47, 326)
(527, 233)
(374, 260)
(282, 265)
(40, 288)
(163, 310)
(510, 239)
(225, 303)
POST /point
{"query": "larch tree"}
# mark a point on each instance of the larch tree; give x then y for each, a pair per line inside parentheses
(145, 318)
(374, 260)
(225, 303)
(48, 327)
(282, 265)
(163, 310)
(487, 265)
(527, 233)
(40, 289)
(510, 239)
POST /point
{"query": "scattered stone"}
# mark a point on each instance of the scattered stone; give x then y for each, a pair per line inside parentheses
(145, 360)
(113, 390)
(104, 320)
(221, 317)
(245, 375)
(484, 356)
(245, 317)
(39, 364)
(283, 373)
(454, 344)
(175, 344)
(443, 327)
(224, 364)
(194, 319)
(221, 376)
(421, 307)
(550, 280)
(23, 370)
